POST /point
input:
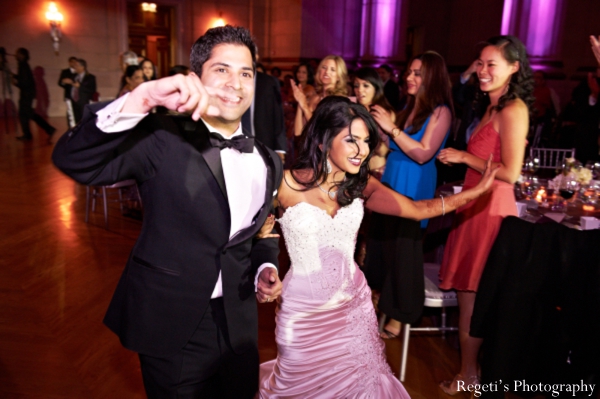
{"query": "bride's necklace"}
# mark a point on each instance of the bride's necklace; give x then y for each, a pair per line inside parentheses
(330, 193)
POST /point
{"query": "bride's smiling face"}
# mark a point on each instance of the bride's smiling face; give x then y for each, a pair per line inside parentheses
(350, 148)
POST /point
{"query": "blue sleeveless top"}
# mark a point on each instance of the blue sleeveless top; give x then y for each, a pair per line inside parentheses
(408, 177)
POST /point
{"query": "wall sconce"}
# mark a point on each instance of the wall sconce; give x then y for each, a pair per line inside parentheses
(55, 18)
(220, 21)
(149, 7)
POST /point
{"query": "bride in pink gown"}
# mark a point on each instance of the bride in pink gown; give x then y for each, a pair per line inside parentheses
(327, 339)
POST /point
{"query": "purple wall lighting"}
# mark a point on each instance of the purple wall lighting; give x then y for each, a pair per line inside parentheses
(541, 25)
(536, 22)
(380, 27)
(506, 17)
(385, 11)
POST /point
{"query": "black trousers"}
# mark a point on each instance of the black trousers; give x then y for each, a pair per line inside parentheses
(26, 113)
(206, 367)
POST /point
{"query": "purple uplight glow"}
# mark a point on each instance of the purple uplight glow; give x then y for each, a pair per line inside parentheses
(385, 14)
(506, 17)
(541, 23)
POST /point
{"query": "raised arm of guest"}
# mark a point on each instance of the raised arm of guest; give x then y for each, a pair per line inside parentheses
(429, 107)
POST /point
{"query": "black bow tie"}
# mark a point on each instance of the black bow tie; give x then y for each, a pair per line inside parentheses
(241, 143)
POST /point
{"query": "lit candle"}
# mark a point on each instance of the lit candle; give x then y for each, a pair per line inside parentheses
(588, 208)
(541, 195)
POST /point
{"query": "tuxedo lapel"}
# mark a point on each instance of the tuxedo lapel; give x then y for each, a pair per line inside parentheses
(261, 216)
(196, 134)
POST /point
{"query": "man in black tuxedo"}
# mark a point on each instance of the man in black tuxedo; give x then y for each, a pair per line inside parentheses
(264, 119)
(186, 299)
(83, 88)
(65, 80)
(390, 88)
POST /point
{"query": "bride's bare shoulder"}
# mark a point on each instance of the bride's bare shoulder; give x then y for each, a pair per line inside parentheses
(292, 188)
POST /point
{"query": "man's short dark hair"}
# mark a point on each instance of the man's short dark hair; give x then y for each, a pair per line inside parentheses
(386, 67)
(82, 62)
(202, 49)
(72, 59)
(178, 69)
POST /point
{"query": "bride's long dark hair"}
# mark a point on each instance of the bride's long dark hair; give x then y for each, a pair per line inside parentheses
(333, 114)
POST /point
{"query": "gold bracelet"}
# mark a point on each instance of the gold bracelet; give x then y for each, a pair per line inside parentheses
(397, 134)
(443, 205)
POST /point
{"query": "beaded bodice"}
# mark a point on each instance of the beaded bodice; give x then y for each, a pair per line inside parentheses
(321, 249)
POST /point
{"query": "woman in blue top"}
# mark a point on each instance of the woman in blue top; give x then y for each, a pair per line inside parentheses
(421, 131)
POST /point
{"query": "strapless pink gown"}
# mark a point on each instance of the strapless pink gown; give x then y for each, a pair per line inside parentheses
(476, 225)
(327, 339)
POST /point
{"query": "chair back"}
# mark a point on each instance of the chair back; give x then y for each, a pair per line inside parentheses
(551, 158)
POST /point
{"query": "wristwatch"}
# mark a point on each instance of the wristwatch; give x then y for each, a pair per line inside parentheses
(395, 132)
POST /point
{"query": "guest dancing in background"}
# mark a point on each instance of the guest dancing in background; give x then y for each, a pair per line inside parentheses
(24, 80)
(304, 79)
(506, 86)
(394, 263)
(368, 89)
(149, 70)
(134, 76)
(331, 79)
(326, 334)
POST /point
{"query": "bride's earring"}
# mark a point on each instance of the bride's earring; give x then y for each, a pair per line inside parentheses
(328, 166)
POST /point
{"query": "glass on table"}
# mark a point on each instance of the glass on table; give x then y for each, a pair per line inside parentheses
(567, 188)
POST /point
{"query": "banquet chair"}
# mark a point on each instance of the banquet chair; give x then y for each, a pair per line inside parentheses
(551, 158)
(434, 298)
(93, 192)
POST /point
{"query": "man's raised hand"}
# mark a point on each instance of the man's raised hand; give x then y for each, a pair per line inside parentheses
(181, 93)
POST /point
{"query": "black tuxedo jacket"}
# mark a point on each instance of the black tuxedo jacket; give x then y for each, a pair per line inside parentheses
(174, 265)
(392, 93)
(269, 124)
(66, 73)
(87, 89)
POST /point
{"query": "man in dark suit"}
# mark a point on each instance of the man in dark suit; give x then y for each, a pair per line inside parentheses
(65, 80)
(186, 299)
(390, 88)
(66, 77)
(264, 119)
(83, 88)
(24, 80)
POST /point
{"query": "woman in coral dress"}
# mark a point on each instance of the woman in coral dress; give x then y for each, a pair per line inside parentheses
(327, 340)
(506, 84)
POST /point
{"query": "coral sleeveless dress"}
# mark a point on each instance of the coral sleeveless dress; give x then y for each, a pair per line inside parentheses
(328, 345)
(476, 224)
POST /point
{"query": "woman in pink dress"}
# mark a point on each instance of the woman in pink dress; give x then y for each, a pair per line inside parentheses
(328, 344)
(506, 84)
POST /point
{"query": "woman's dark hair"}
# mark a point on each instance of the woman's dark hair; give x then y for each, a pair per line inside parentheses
(333, 114)
(310, 72)
(178, 69)
(130, 70)
(153, 77)
(521, 82)
(202, 49)
(370, 75)
(435, 91)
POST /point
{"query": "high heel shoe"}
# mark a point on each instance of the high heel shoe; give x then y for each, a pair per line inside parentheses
(451, 387)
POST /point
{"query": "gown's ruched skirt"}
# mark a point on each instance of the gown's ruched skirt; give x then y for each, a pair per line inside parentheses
(328, 350)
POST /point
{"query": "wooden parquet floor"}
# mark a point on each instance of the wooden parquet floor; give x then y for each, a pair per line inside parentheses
(57, 275)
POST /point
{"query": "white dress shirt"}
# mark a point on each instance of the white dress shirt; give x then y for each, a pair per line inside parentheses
(245, 174)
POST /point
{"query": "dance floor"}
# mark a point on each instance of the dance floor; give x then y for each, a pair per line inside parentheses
(57, 275)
